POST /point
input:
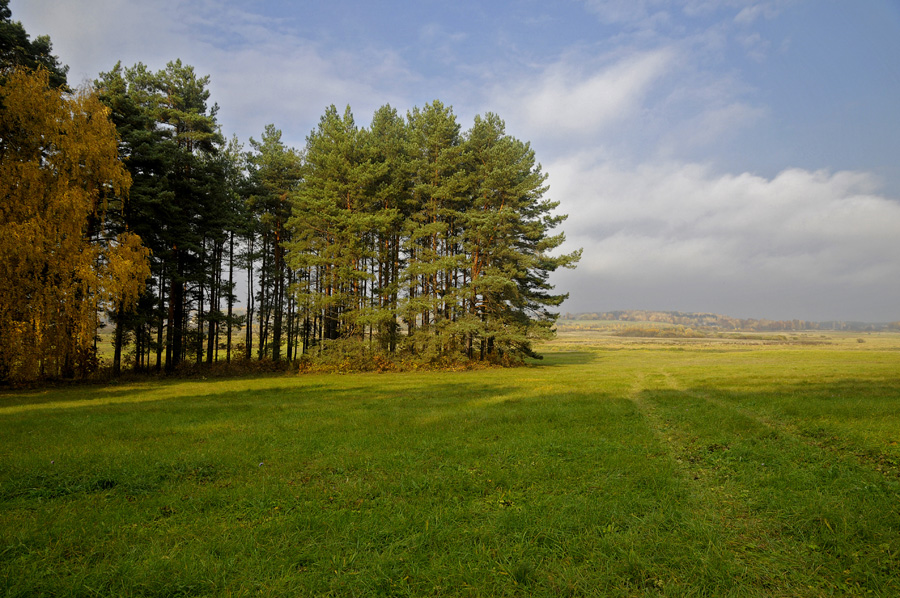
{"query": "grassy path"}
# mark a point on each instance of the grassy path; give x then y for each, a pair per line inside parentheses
(613, 471)
(821, 520)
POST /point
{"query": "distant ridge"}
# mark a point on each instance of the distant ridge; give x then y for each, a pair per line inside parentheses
(720, 322)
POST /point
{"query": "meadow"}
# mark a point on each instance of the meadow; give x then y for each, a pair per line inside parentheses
(753, 466)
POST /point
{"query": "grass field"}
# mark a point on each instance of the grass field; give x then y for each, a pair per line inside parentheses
(615, 467)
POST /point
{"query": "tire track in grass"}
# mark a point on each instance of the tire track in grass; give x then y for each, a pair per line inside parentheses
(837, 446)
(738, 543)
(820, 522)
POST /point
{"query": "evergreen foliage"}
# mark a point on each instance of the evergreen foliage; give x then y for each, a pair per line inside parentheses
(17, 49)
(409, 240)
(183, 204)
(413, 237)
(274, 171)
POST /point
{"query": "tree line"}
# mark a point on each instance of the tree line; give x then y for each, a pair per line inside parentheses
(721, 322)
(409, 238)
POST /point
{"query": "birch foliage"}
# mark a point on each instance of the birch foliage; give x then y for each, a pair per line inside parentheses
(60, 267)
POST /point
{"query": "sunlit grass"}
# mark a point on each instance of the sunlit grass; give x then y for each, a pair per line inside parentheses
(615, 467)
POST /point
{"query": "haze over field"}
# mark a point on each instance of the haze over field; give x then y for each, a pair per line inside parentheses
(735, 157)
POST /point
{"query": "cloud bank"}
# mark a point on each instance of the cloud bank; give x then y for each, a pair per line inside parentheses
(699, 173)
(809, 245)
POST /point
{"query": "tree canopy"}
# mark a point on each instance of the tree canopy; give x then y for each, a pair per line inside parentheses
(415, 237)
(181, 202)
(17, 49)
(409, 239)
(59, 263)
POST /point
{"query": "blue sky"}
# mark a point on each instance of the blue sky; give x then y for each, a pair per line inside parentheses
(734, 156)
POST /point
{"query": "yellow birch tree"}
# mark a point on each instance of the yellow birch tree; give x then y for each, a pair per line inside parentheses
(59, 267)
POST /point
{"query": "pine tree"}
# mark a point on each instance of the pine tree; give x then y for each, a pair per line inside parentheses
(240, 224)
(414, 221)
(507, 242)
(387, 149)
(433, 224)
(18, 50)
(192, 127)
(329, 227)
(170, 142)
(275, 173)
(148, 153)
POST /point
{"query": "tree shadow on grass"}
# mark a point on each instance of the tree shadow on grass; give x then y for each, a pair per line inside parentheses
(339, 393)
(564, 358)
(337, 387)
(75, 393)
(143, 392)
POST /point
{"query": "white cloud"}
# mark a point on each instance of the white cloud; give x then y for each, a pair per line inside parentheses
(260, 70)
(756, 10)
(292, 82)
(627, 11)
(755, 45)
(566, 99)
(711, 124)
(647, 13)
(811, 243)
(662, 102)
(628, 125)
(433, 33)
(82, 33)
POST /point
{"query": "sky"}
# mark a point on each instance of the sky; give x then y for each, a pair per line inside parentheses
(730, 156)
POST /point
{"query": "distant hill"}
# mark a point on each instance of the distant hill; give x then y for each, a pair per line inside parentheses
(719, 322)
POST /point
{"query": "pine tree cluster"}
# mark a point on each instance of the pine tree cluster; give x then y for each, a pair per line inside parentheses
(409, 239)
(413, 237)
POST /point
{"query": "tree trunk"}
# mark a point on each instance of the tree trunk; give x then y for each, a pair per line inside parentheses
(278, 300)
(200, 322)
(159, 330)
(120, 335)
(212, 335)
(175, 325)
(250, 306)
(230, 295)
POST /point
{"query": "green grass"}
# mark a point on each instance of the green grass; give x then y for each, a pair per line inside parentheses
(613, 468)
